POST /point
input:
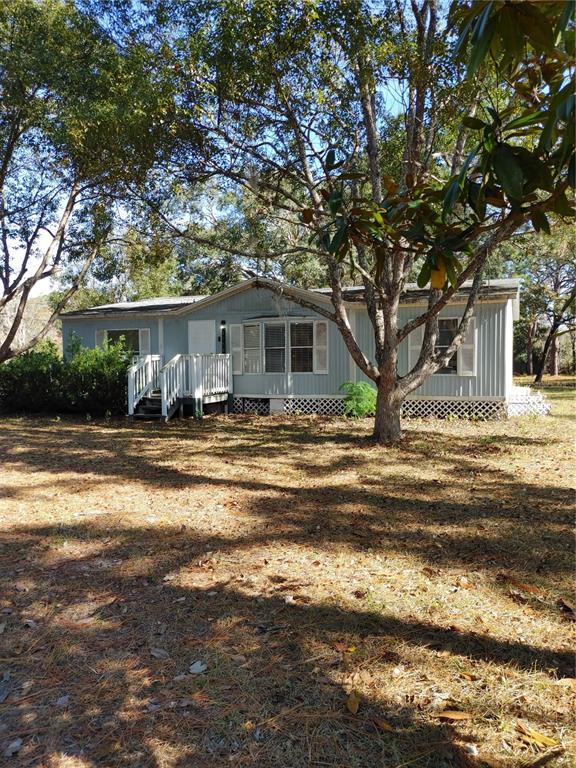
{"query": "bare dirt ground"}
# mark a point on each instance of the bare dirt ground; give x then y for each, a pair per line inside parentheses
(278, 593)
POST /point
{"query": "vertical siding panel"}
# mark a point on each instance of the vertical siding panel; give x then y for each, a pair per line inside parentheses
(260, 303)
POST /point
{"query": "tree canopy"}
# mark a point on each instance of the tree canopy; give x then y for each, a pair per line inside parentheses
(81, 121)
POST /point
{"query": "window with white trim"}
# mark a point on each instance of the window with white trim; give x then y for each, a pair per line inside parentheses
(135, 341)
(274, 348)
(252, 348)
(447, 329)
(302, 347)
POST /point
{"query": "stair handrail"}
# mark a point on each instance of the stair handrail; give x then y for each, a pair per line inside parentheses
(142, 377)
(172, 383)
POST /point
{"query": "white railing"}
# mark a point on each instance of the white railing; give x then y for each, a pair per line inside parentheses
(214, 373)
(143, 377)
(172, 383)
(193, 376)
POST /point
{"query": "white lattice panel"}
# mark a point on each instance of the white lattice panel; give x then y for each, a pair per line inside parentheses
(257, 406)
(323, 406)
(524, 402)
(460, 409)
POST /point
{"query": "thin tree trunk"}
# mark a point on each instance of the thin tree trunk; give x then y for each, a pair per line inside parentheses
(530, 349)
(554, 357)
(541, 366)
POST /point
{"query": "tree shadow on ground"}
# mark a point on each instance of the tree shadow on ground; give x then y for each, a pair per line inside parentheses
(275, 688)
(101, 595)
(459, 510)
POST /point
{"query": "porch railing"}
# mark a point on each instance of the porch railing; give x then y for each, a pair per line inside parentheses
(143, 377)
(198, 377)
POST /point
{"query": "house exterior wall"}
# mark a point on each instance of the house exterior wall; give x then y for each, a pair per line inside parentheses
(259, 304)
(85, 329)
(492, 372)
(169, 336)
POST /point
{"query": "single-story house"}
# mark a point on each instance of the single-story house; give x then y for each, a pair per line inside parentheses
(252, 348)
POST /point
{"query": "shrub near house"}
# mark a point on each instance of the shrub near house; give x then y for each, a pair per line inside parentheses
(88, 381)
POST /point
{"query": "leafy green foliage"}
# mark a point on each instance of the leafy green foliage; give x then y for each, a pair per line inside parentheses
(88, 381)
(360, 400)
(82, 121)
(521, 164)
(32, 382)
(95, 380)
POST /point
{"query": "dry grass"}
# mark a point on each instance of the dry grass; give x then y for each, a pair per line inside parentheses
(299, 564)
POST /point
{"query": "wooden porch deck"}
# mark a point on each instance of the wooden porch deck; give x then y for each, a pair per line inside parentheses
(158, 391)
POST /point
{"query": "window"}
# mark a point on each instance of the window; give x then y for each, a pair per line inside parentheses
(131, 340)
(252, 348)
(274, 348)
(446, 331)
(301, 347)
(136, 341)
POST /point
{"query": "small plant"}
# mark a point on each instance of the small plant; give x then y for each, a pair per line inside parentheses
(360, 400)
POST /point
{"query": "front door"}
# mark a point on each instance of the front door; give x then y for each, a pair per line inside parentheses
(201, 337)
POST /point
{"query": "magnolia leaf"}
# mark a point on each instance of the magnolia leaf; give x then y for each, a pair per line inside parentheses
(535, 737)
(353, 702)
(508, 171)
(424, 277)
(454, 714)
(481, 48)
(473, 122)
(451, 195)
(540, 222)
(308, 215)
(530, 118)
(159, 653)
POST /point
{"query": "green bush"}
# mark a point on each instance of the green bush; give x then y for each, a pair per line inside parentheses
(88, 381)
(32, 382)
(95, 380)
(360, 400)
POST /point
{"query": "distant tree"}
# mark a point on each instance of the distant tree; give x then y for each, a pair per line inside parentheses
(81, 121)
(547, 266)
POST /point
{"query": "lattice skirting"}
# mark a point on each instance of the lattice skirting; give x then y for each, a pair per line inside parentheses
(460, 409)
(323, 406)
(418, 408)
(259, 406)
(533, 405)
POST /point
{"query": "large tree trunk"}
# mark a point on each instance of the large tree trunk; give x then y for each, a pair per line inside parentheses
(387, 421)
(388, 399)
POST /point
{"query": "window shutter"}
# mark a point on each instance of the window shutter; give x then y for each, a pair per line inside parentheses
(415, 340)
(320, 346)
(252, 348)
(101, 337)
(236, 347)
(467, 352)
(144, 341)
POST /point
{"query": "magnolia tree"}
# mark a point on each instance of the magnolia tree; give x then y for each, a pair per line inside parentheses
(403, 144)
(80, 121)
